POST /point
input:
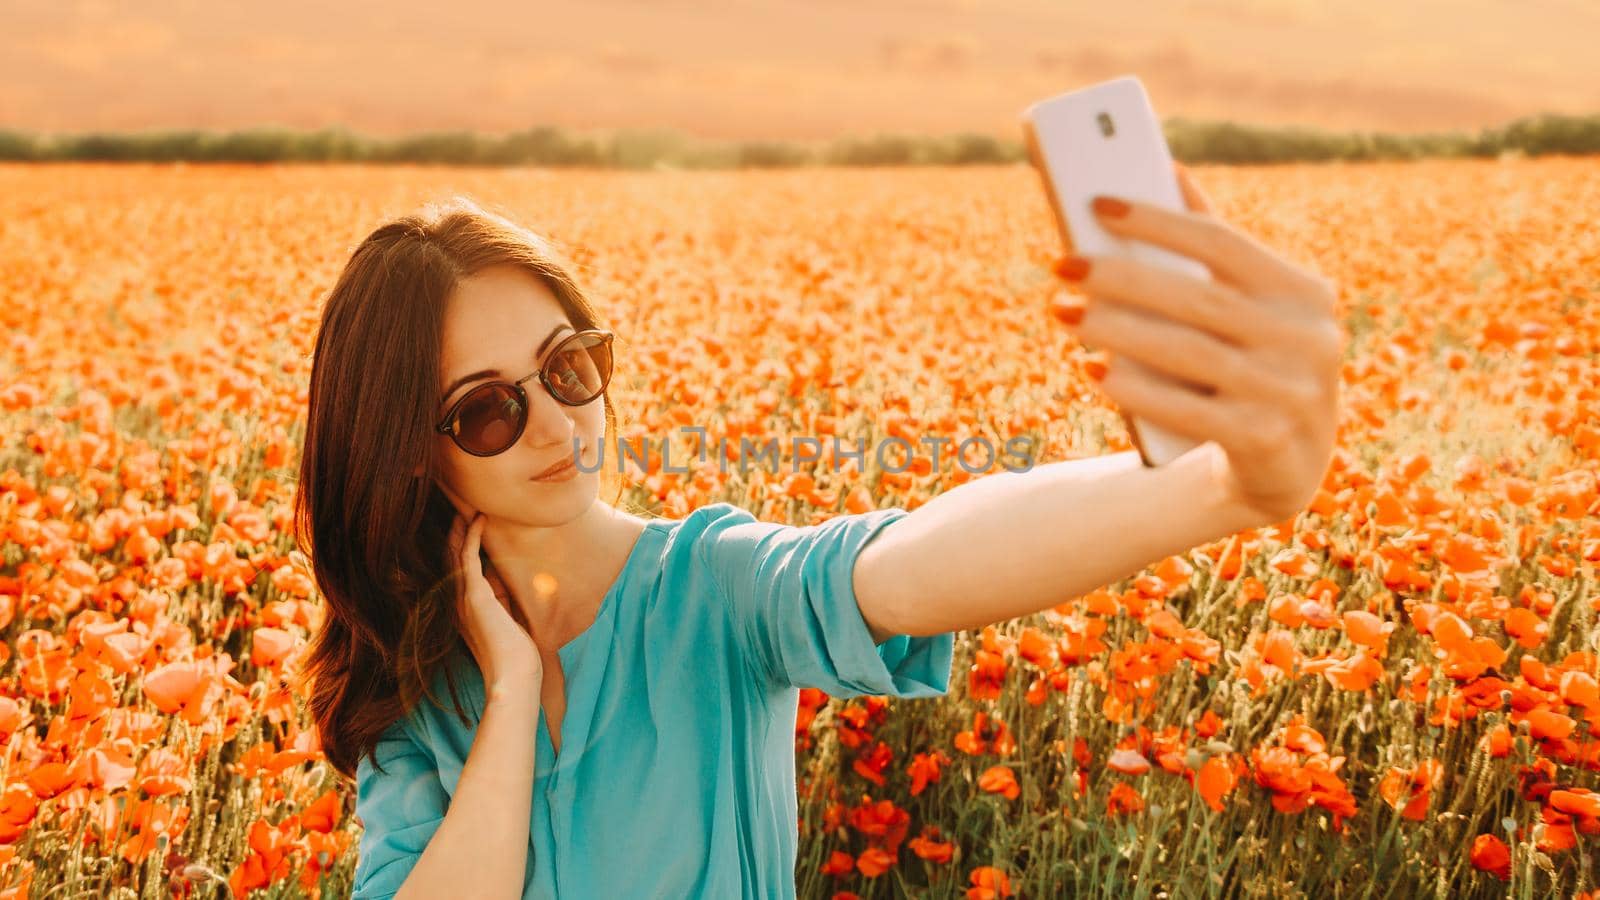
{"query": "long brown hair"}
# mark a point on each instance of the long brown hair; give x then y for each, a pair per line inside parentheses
(377, 536)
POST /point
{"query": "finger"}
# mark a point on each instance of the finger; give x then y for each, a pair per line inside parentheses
(496, 582)
(508, 600)
(469, 553)
(1242, 430)
(1229, 253)
(520, 615)
(491, 574)
(1211, 306)
(1184, 354)
(1193, 197)
(1173, 349)
(1142, 393)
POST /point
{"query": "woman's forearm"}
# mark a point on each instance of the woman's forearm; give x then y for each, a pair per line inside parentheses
(1016, 543)
(481, 847)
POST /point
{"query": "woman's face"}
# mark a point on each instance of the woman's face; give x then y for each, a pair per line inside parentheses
(502, 324)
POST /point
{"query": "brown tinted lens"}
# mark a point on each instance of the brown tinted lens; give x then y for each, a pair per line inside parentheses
(489, 418)
(580, 370)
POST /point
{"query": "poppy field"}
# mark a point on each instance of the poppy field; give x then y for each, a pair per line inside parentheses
(1395, 693)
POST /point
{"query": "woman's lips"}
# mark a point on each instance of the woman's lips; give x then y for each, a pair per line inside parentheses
(558, 469)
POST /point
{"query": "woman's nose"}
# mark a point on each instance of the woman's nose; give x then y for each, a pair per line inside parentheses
(549, 420)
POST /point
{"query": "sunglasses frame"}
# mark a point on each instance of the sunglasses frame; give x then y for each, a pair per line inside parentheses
(450, 424)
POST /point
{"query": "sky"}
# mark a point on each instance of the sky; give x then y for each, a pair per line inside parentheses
(808, 70)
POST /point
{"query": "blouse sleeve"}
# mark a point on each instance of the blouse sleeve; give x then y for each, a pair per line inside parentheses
(792, 602)
(400, 808)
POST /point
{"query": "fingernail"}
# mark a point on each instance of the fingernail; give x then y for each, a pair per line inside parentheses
(1072, 268)
(1070, 314)
(1110, 207)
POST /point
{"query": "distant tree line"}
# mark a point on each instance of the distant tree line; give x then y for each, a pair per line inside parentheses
(1191, 142)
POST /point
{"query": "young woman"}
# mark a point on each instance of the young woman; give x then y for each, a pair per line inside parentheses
(624, 689)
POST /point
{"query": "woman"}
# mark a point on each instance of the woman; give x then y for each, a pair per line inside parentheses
(624, 689)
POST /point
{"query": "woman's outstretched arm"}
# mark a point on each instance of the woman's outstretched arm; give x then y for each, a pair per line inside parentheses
(1259, 338)
(1016, 543)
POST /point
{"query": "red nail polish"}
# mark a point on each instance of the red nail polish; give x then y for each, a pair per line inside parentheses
(1110, 206)
(1071, 315)
(1072, 268)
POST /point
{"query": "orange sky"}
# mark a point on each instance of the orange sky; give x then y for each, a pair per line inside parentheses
(806, 70)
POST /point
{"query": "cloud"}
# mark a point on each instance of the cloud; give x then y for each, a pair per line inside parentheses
(108, 43)
(1180, 78)
(614, 57)
(1395, 107)
(1089, 59)
(513, 79)
(802, 68)
(944, 53)
(281, 49)
(928, 6)
(19, 101)
(1272, 13)
(1172, 61)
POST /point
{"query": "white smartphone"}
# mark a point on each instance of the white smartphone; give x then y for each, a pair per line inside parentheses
(1105, 139)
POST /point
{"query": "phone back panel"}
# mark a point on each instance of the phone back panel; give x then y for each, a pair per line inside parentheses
(1105, 139)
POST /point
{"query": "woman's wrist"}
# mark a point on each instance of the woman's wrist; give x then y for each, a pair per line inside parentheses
(516, 687)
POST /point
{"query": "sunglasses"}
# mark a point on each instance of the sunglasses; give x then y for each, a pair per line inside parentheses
(489, 418)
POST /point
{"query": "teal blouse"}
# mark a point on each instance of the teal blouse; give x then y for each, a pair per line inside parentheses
(676, 776)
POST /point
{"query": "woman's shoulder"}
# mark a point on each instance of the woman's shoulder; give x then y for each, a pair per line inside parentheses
(729, 523)
(727, 529)
(684, 534)
(688, 545)
(706, 514)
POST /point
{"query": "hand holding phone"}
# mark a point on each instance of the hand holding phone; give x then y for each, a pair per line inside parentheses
(1221, 340)
(1105, 139)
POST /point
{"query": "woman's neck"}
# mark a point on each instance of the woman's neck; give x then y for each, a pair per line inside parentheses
(584, 557)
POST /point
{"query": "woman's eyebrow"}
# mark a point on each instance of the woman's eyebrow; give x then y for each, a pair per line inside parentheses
(488, 372)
